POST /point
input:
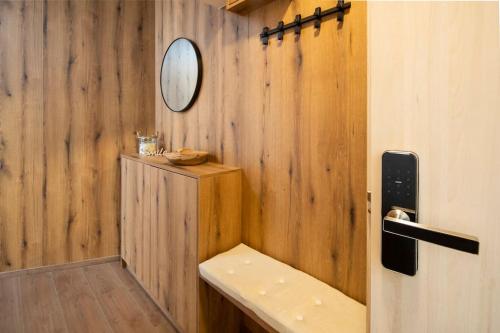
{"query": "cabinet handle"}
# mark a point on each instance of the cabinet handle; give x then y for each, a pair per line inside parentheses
(397, 222)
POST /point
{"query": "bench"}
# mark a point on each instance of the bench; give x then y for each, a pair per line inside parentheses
(279, 297)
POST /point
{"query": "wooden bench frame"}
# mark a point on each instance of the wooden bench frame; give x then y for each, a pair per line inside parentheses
(242, 307)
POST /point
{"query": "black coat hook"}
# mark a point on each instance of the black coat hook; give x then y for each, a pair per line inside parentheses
(317, 15)
(281, 31)
(264, 36)
(340, 15)
(297, 24)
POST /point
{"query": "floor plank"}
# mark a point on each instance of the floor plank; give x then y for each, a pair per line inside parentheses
(42, 311)
(10, 305)
(92, 298)
(154, 314)
(118, 304)
(79, 304)
(96, 298)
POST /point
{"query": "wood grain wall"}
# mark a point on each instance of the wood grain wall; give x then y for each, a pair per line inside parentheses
(76, 79)
(293, 116)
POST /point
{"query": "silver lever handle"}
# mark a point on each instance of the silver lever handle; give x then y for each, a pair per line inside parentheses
(398, 222)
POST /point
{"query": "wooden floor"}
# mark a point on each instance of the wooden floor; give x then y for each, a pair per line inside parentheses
(96, 298)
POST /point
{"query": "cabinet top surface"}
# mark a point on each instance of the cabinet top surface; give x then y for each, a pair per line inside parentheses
(196, 171)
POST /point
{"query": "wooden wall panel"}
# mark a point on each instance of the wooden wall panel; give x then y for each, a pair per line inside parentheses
(21, 136)
(76, 79)
(217, 206)
(293, 116)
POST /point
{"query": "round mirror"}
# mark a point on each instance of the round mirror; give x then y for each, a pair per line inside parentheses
(180, 76)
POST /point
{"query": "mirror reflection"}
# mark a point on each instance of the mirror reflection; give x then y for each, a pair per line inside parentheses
(181, 74)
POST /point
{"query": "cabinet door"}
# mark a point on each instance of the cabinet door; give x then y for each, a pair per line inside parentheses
(176, 199)
(143, 233)
(132, 211)
(136, 216)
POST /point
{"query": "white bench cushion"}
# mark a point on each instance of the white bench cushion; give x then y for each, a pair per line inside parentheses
(287, 299)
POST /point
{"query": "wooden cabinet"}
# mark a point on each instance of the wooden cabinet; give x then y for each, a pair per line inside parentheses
(173, 218)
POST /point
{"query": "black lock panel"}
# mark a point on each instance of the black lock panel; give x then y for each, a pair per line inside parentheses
(400, 189)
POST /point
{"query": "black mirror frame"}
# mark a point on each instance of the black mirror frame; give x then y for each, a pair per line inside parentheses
(200, 75)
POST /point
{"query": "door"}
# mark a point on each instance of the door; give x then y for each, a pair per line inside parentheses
(136, 236)
(434, 87)
(133, 195)
(175, 203)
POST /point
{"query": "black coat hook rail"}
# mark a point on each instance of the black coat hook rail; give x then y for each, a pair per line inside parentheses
(299, 21)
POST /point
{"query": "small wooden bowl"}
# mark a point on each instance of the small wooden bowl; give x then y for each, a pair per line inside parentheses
(187, 156)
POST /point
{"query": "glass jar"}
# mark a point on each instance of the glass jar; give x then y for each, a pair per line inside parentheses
(147, 145)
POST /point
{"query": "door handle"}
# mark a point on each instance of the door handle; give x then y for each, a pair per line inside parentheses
(398, 222)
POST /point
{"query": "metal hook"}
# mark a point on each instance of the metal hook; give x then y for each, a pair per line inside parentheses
(317, 14)
(281, 31)
(340, 15)
(264, 36)
(340, 9)
(298, 24)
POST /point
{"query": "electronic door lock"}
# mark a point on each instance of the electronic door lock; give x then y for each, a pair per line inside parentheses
(400, 226)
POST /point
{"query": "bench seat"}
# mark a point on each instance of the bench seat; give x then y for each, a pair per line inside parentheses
(283, 298)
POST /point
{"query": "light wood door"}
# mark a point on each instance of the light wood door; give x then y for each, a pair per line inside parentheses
(434, 82)
(176, 200)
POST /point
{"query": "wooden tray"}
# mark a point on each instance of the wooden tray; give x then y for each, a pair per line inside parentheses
(187, 156)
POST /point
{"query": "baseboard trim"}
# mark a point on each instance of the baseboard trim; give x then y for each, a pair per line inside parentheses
(51, 268)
